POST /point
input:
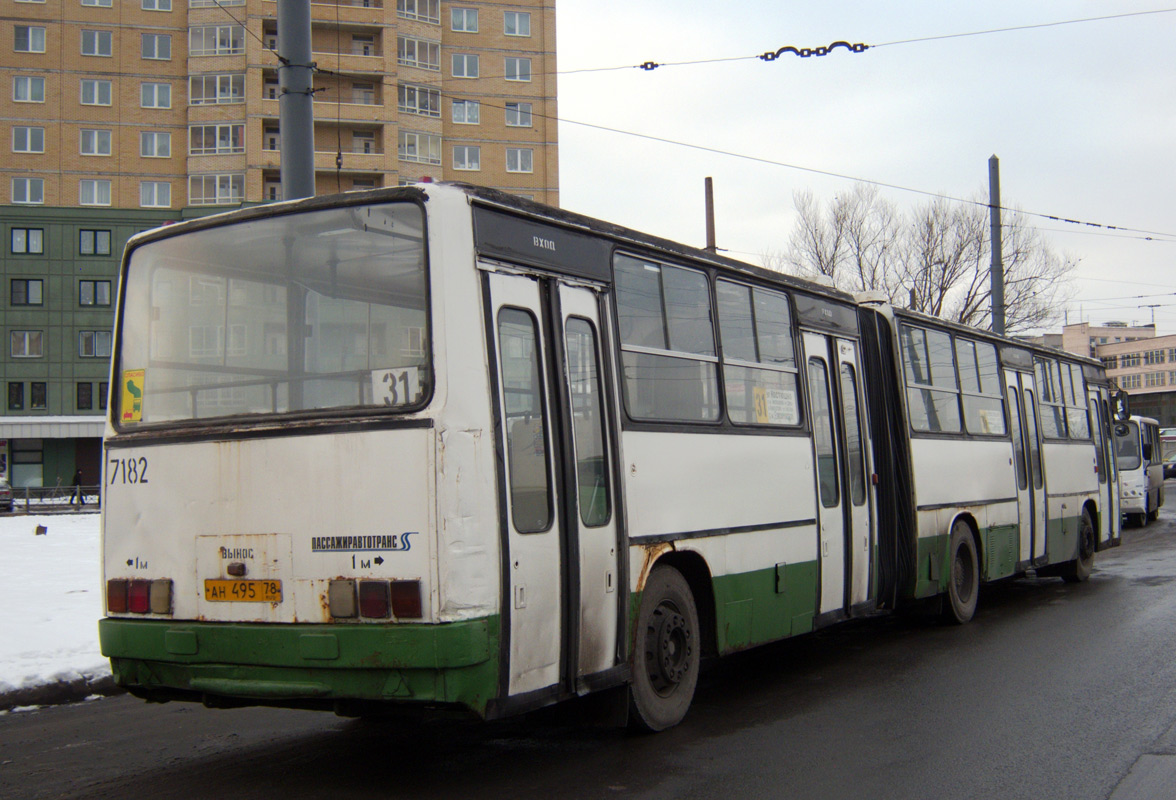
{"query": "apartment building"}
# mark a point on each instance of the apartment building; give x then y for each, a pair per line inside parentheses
(122, 115)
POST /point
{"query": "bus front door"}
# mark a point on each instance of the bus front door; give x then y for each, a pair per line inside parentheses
(561, 598)
(1104, 459)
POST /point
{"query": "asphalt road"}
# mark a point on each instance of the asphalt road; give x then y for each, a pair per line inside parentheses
(1053, 691)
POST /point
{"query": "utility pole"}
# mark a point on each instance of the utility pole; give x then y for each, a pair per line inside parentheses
(996, 273)
(710, 216)
(296, 101)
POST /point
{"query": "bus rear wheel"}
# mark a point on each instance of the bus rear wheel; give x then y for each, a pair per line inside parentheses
(1080, 568)
(963, 581)
(666, 652)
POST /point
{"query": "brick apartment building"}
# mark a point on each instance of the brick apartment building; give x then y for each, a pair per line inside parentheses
(122, 115)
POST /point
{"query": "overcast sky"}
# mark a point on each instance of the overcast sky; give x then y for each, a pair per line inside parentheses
(1082, 117)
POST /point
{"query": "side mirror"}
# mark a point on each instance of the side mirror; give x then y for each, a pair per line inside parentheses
(1120, 404)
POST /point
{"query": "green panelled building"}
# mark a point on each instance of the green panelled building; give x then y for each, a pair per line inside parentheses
(59, 279)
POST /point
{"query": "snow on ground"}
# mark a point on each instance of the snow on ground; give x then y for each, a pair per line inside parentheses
(51, 596)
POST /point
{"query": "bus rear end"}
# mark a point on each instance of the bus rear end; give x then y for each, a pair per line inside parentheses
(269, 493)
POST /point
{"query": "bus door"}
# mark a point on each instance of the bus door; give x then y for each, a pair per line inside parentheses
(1104, 459)
(1027, 465)
(836, 415)
(561, 590)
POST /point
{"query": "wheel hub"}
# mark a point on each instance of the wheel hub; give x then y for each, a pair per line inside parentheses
(673, 647)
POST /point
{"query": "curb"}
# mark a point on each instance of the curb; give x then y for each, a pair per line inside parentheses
(60, 692)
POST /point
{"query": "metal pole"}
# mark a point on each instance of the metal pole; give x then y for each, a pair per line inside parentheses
(296, 101)
(710, 216)
(996, 274)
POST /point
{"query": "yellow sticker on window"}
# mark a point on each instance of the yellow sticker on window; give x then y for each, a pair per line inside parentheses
(131, 406)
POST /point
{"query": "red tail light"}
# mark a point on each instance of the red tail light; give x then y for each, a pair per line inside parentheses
(374, 602)
(406, 599)
(139, 596)
(116, 596)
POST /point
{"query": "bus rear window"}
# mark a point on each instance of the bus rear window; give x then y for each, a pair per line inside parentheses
(291, 313)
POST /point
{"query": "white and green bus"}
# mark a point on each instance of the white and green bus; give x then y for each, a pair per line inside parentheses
(441, 447)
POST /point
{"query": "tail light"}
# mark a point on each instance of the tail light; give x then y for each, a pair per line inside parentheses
(139, 596)
(375, 599)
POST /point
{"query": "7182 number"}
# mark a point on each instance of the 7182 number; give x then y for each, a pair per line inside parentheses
(129, 470)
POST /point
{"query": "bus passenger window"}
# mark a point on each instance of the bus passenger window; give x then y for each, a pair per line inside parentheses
(524, 421)
(667, 342)
(932, 395)
(759, 369)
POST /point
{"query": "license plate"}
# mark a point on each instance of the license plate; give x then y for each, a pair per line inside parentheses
(222, 591)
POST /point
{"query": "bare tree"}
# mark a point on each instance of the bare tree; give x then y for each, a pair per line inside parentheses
(935, 259)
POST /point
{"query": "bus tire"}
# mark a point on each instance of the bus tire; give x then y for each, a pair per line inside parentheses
(963, 579)
(666, 652)
(1080, 568)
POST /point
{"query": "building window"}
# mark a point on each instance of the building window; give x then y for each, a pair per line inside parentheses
(95, 92)
(93, 293)
(467, 157)
(424, 10)
(156, 46)
(28, 89)
(97, 3)
(154, 194)
(15, 396)
(419, 100)
(163, 5)
(29, 39)
(204, 140)
(154, 144)
(155, 95)
(422, 148)
(27, 292)
(518, 115)
(516, 23)
(270, 89)
(271, 138)
(412, 52)
(93, 192)
(94, 344)
(26, 344)
(464, 20)
(272, 190)
(95, 142)
(216, 40)
(466, 112)
(217, 189)
(363, 44)
(517, 69)
(216, 89)
(519, 159)
(214, 3)
(97, 43)
(27, 139)
(465, 65)
(104, 386)
(363, 94)
(29, 191)
(85, 396)
(30, 241)
(38, 396)
(93, 243)
(363, 142)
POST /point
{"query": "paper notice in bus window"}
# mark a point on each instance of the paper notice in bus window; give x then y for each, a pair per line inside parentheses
(132, 384)
(774, 406)
(396, 387)
(987, 417)
(782, 407)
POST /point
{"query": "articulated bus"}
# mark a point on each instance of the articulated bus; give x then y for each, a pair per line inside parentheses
(439, 447)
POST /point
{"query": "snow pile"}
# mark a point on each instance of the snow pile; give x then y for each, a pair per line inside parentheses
(51, 593)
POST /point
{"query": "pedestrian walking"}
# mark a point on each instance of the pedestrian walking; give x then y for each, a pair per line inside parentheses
(77, 489)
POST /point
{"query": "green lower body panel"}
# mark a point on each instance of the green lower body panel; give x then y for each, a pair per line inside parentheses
(452, 663)
(765, 605)
(1061, 539)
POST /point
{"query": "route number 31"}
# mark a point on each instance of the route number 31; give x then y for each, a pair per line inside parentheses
(395, 387)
